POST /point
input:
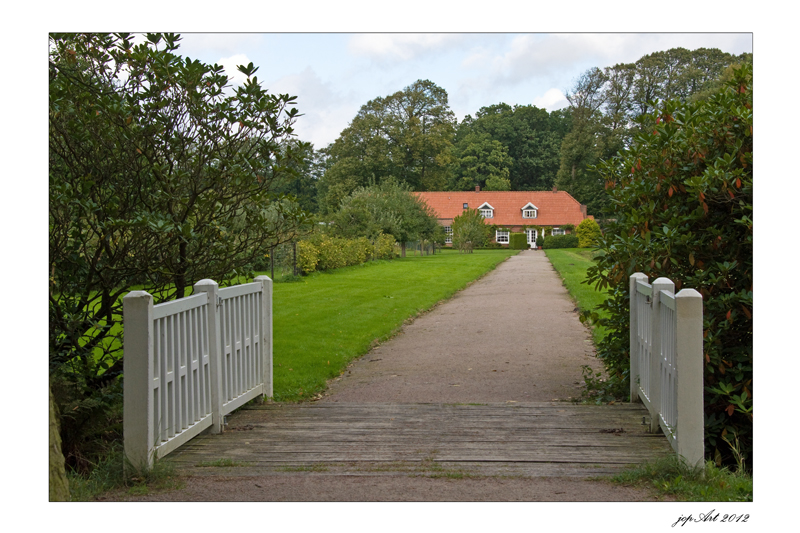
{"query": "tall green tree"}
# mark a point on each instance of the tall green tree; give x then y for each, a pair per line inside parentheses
(531, 136)
(676, 74)
(480, 160)
(682, 205)
(158, 178)
(406, 135)
(302, 185)
(584, 146)
(610, 106)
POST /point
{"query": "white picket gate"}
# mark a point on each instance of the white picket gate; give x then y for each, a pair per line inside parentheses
(666, 339)
(189, 362)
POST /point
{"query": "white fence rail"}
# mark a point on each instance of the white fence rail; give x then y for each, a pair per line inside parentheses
(189, 362)
(667, 361)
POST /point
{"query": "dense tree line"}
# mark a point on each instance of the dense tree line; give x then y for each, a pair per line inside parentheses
(413, 137)
(611, 106)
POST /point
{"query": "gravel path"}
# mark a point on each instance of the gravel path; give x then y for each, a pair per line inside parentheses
(514, 336)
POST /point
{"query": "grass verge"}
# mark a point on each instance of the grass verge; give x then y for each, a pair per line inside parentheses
(670, 476)
(571, 264)
(109, 475)
(329, 318)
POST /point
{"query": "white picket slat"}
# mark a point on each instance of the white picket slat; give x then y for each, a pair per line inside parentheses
(189, 362)
(666, 361)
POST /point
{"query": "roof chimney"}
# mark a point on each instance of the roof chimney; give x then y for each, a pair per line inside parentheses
(554, 189)
(477, 188)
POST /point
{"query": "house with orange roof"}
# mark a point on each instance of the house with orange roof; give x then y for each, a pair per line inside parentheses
(531, 212)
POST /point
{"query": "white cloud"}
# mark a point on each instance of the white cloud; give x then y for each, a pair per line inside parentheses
(552, 100)
(386, 47)
(231, 65)
(544, 56)
(325, 111)
(217, 44)
(549, 55)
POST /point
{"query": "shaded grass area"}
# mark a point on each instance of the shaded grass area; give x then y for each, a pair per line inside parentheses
(109, 475)
(710, 484)
(571, 264)
(329, 318)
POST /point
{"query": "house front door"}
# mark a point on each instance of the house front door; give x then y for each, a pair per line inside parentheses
(531, 237)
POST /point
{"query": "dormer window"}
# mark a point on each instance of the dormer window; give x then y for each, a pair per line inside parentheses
(530, 211)
(487, 211)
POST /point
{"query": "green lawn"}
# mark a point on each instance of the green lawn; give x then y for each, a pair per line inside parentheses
(571, 264)
(323, 322)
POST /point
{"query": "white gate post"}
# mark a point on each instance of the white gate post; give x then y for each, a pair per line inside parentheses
(634, 334)
(266, 328)
(660, 284)
(214, 358)
(137, 424)
(689, 363)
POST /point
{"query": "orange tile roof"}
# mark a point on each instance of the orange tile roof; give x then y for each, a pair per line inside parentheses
(554, 208)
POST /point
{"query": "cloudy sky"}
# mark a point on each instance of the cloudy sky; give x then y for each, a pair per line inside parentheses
(334, 74)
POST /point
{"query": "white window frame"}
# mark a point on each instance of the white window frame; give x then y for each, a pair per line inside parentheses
(506, 235)
(448, 235)
(530, 211)
(558, 231)
(486, 210)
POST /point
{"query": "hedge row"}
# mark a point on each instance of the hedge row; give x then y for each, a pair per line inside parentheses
(560, 241)
(322, 252)
(518, 241)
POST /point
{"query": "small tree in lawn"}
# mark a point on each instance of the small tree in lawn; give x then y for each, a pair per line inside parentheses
(389, 208)
(469, 231)
(588, 232)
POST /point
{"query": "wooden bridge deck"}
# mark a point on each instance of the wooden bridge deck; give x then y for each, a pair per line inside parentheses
(529, 439)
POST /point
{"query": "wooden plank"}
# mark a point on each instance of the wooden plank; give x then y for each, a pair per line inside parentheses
(532, 436)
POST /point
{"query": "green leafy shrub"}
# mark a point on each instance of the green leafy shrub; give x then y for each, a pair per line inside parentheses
(307, 257)
(588, 233)
(518, 241)
(682, 208)
(560, 241)
(384, 246)
(324, 252)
